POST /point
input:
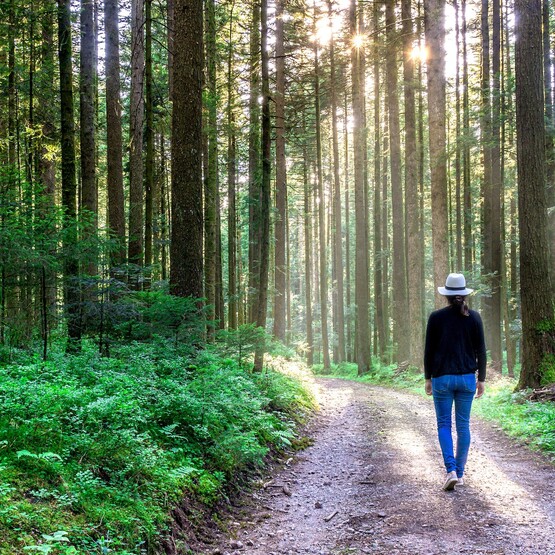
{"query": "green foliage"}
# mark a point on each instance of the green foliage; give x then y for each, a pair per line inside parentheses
(530, 421)
(242, 342)
(103, 448)
(380, 373)
(53, 543)
(547, 369)
(139, 315)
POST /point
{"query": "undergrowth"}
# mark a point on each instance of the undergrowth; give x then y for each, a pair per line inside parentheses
(532, 422)
(95, 451)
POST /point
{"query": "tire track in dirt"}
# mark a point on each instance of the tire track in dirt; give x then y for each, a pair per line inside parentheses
(371, 483)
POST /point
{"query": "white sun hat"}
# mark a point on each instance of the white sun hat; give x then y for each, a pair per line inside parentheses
(455, 284)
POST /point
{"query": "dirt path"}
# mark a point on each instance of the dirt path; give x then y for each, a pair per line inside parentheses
(371, 483)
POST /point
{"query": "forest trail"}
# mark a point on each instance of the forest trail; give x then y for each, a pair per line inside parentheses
(371, 483)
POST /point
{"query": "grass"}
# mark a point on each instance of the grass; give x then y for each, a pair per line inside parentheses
(95, 452)
(528, 421)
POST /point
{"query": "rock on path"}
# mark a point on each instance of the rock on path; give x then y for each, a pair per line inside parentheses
(371, 483)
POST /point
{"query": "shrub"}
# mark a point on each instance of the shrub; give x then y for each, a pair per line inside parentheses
(103, 448)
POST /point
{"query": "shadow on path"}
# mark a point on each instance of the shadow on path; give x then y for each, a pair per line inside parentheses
(371, 483)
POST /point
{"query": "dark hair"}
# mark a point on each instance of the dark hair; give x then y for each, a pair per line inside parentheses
(458, 301)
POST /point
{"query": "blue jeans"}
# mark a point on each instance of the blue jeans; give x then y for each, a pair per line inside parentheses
(460, 389)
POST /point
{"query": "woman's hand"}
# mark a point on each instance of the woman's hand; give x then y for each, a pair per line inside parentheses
(428, 387)
(480, 388)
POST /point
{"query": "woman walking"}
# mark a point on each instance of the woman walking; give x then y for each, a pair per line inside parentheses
(455, 352)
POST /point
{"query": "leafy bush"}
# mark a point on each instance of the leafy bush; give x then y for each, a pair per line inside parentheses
(103, 448)
(532, 422)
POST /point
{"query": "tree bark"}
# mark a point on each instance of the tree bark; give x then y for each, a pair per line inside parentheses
(211, 177)
(281, 180)
(379, 254)
(536, 297)
(171, 45)
(186, 209)
(467, 195)
(339, 324)
(349, 319)
(321, 219)
(231, 187)
(307, 256)
(265, 194)
(254, 162)
(116, 212)
(550, 138)
(495, 345)
(359, 139)
(87, 118)
(400, 320)
(511, 271)
(46, 117)
(69, 183)
(149, 141)
(458, 143)
(136, 120)
(434, 23)
(415, 254)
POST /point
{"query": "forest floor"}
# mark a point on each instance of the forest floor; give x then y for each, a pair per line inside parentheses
(372, 483)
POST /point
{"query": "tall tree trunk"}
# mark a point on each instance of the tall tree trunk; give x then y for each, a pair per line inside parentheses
(321, 218)
(349, 319)
(149, 140)
(415, 254)
(307, 255)
(186, 210)
(116, 212)
(434, 23)
(467, 203)
(163, 210)
(359, 139)
(46, 166)
(315, 242)
(550, 138)
(339, 324)
(511, 272)
(486, 182)
(69, 183)
(12, 115)
(219, 286)
(385, 235)
(536, 297)
(265, 194)
(87, 120)
(281, 179)
(458, 177)
(232, 231)
(495, 345)
(400, 320)
(381, 344)
(136, 120)
(254, 162)
(421, 165)
(171, 45)
(231, 186)
(211, 176)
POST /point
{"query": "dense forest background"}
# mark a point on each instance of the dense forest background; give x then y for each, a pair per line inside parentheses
(198, 197)
(314, 169)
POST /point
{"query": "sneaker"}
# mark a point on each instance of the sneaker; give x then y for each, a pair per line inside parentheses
(450, 481)
(460, 482)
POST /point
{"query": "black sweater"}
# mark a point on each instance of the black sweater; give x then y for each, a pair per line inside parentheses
(454, 344)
